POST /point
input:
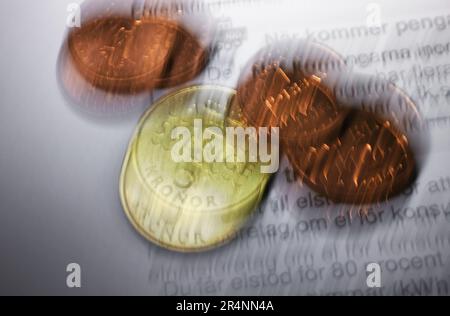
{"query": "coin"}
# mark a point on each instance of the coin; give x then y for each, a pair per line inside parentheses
(90, 102)
(121, 54)
(280, 89)
(187, 206)
(369, 161)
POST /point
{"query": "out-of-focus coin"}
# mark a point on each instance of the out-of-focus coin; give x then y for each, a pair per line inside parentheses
(282, 87)
(188, 206)
(369, 162)
(121, 54)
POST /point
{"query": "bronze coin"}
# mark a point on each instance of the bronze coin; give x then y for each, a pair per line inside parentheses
(122, 54)
(275, 90)
(368, 162)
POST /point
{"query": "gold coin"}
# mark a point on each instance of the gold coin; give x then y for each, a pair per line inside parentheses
(189, 205)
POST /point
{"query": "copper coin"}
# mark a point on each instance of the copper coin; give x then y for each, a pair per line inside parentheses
(368, 162)
(122, 54)
(275, 90)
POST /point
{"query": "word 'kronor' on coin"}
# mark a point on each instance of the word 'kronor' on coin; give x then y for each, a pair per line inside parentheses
(121, 54)
(282, 86)
(188, 206)
(369, 162)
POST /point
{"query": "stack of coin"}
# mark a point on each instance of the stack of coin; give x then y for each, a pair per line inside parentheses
(348, 154)
(187, 205)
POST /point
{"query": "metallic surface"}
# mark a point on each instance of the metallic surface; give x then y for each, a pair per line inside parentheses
(282, 87)
(186, 206)
(122, 54)
(369, 162)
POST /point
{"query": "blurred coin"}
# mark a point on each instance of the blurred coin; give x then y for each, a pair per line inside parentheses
(369, 162)
(187, 206)
(121, 54)
(283, 87)
(91, 102)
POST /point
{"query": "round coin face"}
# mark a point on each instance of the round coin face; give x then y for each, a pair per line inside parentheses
(122, 54)
(196, 203)
(369, 161)
(279, 89)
